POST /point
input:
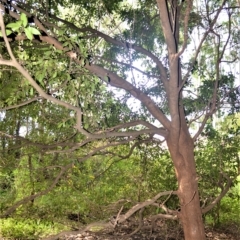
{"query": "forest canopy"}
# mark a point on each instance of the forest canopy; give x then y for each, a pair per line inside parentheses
(118, 108)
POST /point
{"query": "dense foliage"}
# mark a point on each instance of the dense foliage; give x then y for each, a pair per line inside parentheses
(91, 102)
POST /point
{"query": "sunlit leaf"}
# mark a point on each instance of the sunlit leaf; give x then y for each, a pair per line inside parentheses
(31, 91)
(28, 33)
(14, 26)
(8, 32)
(34, 31)
(24, 19)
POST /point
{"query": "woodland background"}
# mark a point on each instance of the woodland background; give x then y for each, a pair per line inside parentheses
(76, 148)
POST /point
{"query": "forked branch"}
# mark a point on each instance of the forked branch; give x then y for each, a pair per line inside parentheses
(139, 206)
(220, 196)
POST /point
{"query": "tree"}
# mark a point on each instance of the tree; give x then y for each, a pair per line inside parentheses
(87, 43)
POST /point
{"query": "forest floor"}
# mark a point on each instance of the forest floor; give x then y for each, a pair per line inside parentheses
(161, 232)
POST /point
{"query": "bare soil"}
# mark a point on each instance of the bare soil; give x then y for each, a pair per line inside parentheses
(161, 231)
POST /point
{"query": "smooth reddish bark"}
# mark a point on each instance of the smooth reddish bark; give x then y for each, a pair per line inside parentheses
(190, 213)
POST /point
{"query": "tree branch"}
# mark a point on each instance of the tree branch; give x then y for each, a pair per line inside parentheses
(168, 31)
(119, 82)
(139, 206)
(213, 22)
(221, 195)
(115, 81)
(96, 33)
(14, 207)
(20, 104)
(185, 32)
(125, 45)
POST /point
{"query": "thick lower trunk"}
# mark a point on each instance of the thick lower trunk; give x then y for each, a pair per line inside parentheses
(190, 214)
(183, 158)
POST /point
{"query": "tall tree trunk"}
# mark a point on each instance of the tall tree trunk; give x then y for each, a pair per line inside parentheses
(183, 158)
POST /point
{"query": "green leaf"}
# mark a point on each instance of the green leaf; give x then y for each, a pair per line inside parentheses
(28, 33)
(24, 19)
(8, 32)
(65, 44)
(62, 124)
(58, 51)
(34, 31)
(54, 74)
(31, 91)
(238, 178)
(14, 26)
(40, 76)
